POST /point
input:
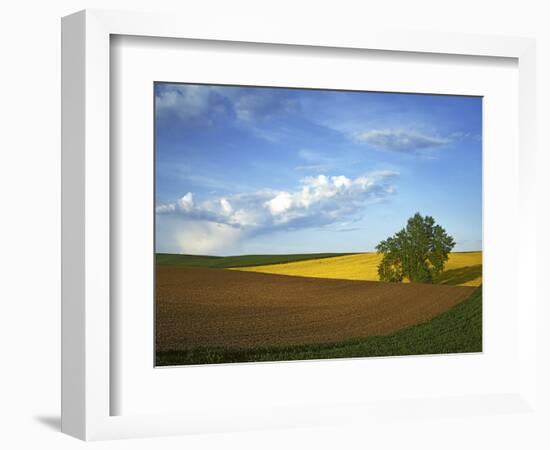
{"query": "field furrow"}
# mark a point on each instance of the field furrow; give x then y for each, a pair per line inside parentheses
(202, 307)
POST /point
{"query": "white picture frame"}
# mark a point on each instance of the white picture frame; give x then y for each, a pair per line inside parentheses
(86, 240)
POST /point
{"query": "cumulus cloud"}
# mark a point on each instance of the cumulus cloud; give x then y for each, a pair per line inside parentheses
(318, 201)
(399, 140)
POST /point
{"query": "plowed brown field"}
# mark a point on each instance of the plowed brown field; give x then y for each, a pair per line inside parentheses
(216, 307)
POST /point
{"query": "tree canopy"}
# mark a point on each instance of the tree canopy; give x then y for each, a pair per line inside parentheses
(417, 252)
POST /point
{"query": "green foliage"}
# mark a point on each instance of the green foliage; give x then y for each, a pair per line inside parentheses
(222, 262)
(417, 252)
(458, 330)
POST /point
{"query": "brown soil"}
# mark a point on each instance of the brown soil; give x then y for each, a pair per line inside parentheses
(216, 307)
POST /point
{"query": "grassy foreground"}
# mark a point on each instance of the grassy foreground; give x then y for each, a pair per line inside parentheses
(223, 262)
(458, 330)
(462, 268)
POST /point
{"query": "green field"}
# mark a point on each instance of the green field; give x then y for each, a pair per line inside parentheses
(458, 330)
(223, 262)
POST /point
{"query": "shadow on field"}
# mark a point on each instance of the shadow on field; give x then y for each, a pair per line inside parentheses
(459, 276)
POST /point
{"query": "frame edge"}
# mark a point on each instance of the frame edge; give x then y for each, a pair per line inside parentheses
(73, 83)
(84, 38)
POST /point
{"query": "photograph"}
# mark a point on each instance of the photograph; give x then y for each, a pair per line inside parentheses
(294, 223)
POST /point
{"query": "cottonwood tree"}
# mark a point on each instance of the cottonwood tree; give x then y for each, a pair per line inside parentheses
(417, 252)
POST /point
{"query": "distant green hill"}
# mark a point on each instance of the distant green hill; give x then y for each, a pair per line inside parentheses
(222, 262)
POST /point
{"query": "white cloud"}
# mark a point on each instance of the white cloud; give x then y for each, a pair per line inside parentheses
(280, 203)
(341, 181)
(226, 206)
(318, 201)
(186, 202)
(399, 140)
(164, 209)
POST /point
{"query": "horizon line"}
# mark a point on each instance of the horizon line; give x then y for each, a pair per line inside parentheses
(282, 254)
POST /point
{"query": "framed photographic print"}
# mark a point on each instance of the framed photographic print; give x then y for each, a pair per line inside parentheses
(324, 210)
(317, 213)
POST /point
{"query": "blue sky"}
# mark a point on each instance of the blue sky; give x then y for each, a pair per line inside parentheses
(243, 170)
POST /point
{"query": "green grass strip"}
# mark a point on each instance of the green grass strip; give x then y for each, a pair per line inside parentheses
(223, 262)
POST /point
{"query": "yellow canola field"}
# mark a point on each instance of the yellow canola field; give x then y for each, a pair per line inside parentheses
(462, 269)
